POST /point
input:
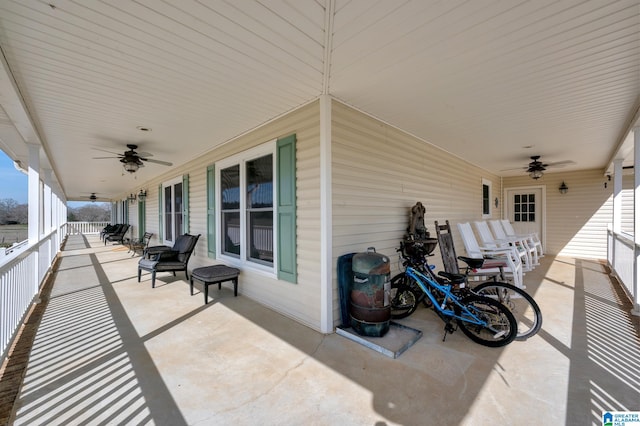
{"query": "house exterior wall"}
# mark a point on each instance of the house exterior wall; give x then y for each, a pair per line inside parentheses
(380, 172)
(299, 301)
(576, 222)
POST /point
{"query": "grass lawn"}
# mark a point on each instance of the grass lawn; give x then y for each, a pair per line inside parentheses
(10, 234)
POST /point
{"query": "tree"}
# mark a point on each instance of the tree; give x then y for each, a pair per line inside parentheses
(98, 212)
(11, 212)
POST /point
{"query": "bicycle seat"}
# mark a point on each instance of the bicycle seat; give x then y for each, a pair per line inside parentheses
(453, 278)
(473, 262)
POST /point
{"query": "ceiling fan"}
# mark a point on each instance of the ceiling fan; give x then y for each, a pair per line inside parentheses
(132, 160)
(93, 197)
(536, 168)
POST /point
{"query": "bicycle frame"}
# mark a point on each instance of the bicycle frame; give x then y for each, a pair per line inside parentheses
(426, 283)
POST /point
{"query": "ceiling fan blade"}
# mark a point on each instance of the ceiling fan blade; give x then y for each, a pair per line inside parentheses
(102, 158)
(515, 168)
(104, 150)
(560, 163)
(164, 163)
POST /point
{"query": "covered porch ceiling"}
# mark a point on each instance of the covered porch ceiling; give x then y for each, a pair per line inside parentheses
(493, 82)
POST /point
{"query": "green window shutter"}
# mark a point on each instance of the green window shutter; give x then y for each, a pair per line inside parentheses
(185, 204)
(286, 191)
(160, 206)
(141, 219)
(211, 211)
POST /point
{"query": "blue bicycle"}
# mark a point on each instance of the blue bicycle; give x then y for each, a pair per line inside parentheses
(484, 320)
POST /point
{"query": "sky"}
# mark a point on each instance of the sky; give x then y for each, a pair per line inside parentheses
(13, 184)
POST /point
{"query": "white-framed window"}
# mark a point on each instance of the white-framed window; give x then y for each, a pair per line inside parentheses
(172, 210)
(486, 198)
(246, 196)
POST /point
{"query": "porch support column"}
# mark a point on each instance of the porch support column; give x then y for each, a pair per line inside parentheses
(326, 223)
(35, 227)
(636, 220)
(47, 201)
(617, 196)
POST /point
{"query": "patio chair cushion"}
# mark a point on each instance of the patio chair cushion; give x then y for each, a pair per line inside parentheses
(215, 273)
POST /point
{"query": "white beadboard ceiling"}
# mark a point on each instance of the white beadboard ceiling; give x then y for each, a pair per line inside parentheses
(493, 82)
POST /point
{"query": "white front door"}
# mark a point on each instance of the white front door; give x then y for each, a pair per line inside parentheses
(524, 208)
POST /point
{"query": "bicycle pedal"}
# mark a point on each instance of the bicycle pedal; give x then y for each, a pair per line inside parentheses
(448, 328)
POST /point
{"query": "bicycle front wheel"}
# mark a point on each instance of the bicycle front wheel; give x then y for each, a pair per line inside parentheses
(523, 307)
(499, 328)
(403, 298)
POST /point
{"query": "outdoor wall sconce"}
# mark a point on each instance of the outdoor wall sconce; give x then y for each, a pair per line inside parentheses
(142, 195)
(563, 188)
(131, 198)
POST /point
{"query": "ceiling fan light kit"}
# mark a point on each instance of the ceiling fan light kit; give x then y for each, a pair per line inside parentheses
(132, 161)
(535, 174)
(536, 168)
(131, 167)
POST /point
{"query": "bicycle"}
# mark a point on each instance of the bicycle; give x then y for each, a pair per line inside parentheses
(404, 295)
(482, 319)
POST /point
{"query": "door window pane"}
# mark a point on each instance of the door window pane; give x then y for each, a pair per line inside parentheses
(524, 208)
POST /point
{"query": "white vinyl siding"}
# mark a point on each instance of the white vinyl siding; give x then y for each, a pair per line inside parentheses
(379, 172)
(576, 222)
(299, 301)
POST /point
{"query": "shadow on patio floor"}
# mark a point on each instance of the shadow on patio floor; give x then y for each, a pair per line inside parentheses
(111, 351)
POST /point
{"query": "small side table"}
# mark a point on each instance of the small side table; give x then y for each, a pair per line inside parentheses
(216, 274)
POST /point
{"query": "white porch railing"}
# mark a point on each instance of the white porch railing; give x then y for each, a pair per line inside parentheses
(22, 272)
(77, 228)
(622, 255)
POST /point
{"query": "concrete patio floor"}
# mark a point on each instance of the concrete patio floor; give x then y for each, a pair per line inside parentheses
(110, 350)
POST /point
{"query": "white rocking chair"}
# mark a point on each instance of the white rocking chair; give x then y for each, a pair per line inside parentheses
(489, 241)
(509, 254)
(526, 242)
(508, 229)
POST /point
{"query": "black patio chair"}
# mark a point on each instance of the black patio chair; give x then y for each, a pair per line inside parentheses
(172, 259)
(117, 236)
(109, 229)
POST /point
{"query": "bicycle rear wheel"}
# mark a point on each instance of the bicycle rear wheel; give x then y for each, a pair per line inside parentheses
(500, 328)
(403, 298)
(523, 307)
